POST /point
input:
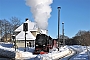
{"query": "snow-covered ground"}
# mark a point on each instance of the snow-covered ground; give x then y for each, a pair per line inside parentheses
(83, 52)
(20, 54)
(53, 54)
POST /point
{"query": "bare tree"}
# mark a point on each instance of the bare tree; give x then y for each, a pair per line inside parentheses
(0, 29)
(5, 28)
(86, 38)
(83, 37)
(80, 32)
(15, 22)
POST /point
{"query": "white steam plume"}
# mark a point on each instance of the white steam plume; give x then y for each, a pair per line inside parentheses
(41, 10)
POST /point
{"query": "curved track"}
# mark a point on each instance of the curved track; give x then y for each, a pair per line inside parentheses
(70, 55)
(78, 55)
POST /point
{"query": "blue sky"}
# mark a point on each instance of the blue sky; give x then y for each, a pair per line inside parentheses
(74, 13)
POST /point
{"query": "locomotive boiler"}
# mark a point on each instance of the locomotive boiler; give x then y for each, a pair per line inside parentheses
(43, 43)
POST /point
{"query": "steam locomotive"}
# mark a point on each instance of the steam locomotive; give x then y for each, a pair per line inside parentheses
(43, 43)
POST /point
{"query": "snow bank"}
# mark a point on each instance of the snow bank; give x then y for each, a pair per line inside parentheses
(7, 52)
(11, 53)
(24, 55)
(20, 54)
(55, 54)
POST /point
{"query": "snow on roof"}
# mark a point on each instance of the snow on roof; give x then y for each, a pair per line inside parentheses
(21, 36)
(20, 28)
(31, 26)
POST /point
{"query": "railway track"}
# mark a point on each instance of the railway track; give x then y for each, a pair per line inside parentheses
(70, 55)
(81, 56)
(75, 53)
(65, 55)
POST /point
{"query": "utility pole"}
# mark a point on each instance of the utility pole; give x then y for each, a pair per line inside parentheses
(59, 26)
(63, 33)
(25, 41)
(25, 28)
(15, 43)
(14, 40)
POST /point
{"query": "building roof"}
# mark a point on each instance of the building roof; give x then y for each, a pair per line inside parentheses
(29, 36)
(31, 26)
(21, 36)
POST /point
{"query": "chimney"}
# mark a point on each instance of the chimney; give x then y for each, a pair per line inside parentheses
(26, 19)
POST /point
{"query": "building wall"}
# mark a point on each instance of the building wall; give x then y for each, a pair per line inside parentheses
(22, 43)
(19, 44)
(34, 33)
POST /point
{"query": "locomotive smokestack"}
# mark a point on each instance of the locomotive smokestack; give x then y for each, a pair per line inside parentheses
(26, 19)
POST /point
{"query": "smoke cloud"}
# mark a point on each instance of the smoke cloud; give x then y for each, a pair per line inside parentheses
(41, 10)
